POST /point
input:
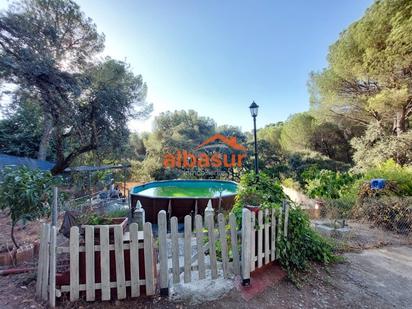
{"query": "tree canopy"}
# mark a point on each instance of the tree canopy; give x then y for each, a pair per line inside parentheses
(369, 76)
(50, 49)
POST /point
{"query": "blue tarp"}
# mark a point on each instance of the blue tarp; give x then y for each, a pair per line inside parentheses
(7, 160)
(377, 184)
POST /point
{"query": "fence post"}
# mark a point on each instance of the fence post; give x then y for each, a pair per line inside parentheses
(209, 211)
(46, 266)
(52, 280)
(286, 219)
(245, 262)
(54, 207)
(164, 269)
(139, 215)
(148, 258)
(43, 253)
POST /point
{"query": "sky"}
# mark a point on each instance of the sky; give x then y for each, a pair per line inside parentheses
(216, 57)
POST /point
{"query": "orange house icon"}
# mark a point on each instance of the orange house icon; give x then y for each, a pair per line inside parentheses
(185, 159)
(229, 141)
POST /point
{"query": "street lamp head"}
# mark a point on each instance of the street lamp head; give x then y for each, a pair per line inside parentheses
(254, 109)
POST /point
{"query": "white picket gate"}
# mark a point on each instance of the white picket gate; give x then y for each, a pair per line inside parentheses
(252, 246)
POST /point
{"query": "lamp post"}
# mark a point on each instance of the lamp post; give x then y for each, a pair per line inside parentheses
(254, 111)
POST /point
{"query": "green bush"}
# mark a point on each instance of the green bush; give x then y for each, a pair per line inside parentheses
(365, 191)
(391, 171)
(329, 184)
(305, 166)
(26, 194)
(302, 245)
(340, 208)
(291, 183)
(258, 190)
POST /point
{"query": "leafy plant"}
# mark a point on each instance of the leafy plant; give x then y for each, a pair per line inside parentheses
(25, 194)
(391, 171)
(302, 245)
(119, 213)
(330, 184)
(291, 183)
(340, 208)
(92, 218)
(258, 190)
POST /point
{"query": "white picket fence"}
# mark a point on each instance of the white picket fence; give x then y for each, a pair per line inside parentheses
(252, 246)
(205, 235)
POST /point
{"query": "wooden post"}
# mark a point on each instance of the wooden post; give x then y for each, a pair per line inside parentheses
(285, 223)
(139, 215)
(209, 209)
(119, 258)
(105, 262)
(52, 280)
(273, 236)
(42, 260)
(54, 207)
(246, 254)
(212, 245)
(223, 243)
(164, 270)
(175, 250)
(260, 239)
(233, 238)
(266, 236)
(148, 258)
(199, 246)
(253, 255)
(74, 263)
(188, 249)
(45, 275)
(89, 244)
(134, 260)
(279, 231)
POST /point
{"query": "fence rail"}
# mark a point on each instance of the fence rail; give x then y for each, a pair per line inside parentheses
(117, 264)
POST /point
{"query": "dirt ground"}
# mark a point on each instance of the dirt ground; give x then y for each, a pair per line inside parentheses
(374, 278)
(23, 234)
(376, 273)
(362, 236)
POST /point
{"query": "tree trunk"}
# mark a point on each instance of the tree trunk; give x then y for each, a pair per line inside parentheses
(399, 128)
(12, 235)
(64, 162)
(400, 122)
(45, 138)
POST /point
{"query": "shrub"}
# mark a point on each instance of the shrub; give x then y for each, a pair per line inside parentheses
(329, 184)
(26, 194)
(340, 208)
(390, 212)
(391, 171)
(291, 183)
(302, 245)
(258, 190)
(391, 189)
(305, 166)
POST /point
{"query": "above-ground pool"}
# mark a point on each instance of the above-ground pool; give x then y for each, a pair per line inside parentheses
(183, 197)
